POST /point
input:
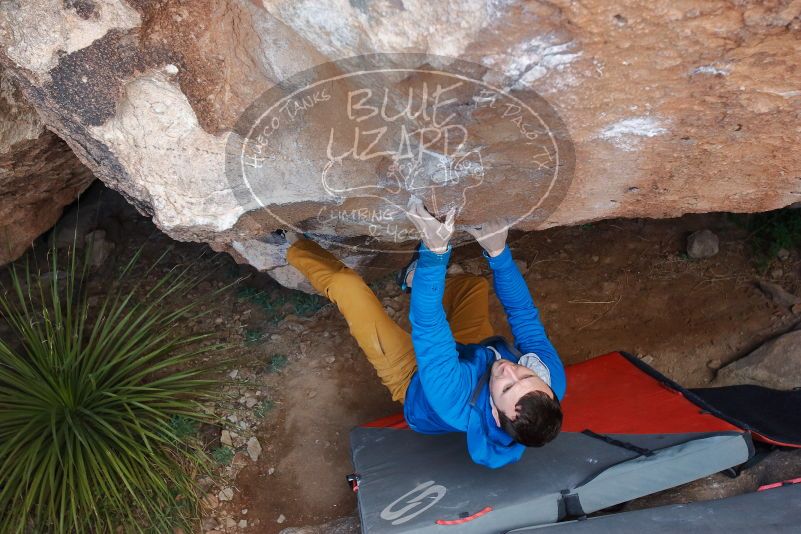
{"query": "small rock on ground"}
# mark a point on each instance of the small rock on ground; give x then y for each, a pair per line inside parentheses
(226, 494)
(254, 449)
(209, 523)
(702, 244)
(101, 247)
(211, 501)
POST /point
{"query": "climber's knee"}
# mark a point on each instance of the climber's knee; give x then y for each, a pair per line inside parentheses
(345, 281)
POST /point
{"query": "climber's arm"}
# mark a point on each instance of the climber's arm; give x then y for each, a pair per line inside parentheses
(523, 316)
(445, 382)
(512, 291)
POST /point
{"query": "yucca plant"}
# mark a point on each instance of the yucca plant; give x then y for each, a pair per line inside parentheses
(88, 401)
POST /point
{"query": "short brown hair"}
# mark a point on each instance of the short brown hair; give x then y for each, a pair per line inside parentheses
(538, 421)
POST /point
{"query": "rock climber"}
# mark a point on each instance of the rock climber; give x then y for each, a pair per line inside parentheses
(452, 374)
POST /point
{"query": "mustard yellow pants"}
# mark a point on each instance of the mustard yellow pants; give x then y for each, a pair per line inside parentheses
(388, 347)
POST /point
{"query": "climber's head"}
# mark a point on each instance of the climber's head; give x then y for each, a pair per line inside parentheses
(524, 405)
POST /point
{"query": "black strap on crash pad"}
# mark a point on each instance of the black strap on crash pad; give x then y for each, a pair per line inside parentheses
(572, 504)
(617, 443)
(761, 451)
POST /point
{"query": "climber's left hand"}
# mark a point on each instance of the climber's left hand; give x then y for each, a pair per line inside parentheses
(491, 235)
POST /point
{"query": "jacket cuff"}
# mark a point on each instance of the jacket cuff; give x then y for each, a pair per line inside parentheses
(429, 258)
(501, 259)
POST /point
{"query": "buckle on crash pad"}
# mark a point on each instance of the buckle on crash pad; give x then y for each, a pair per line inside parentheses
(353, 481)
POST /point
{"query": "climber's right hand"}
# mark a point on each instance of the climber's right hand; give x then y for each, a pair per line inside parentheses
(434, 234)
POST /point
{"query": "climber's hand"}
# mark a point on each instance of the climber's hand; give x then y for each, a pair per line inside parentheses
(491, 235)
(435, 235)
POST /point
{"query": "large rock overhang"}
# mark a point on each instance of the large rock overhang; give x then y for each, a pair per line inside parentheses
(669, 108)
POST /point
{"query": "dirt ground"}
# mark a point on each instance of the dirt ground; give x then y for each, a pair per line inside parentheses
(613, 285)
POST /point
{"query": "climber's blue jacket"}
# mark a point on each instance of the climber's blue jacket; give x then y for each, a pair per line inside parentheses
(450, 390)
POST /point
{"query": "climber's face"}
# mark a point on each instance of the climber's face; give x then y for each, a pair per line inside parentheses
(510, 381)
